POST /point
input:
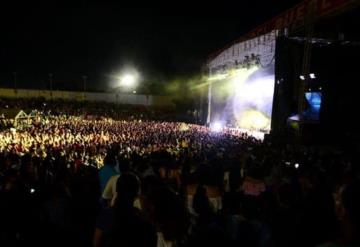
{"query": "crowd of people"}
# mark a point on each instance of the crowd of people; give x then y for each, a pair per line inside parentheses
(96, 109)
(130, 180)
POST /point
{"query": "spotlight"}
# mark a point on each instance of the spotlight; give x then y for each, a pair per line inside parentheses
(296, 165)
(216, 127)
(302, 77)
(312, 76)
(128, 80)
(218, 77)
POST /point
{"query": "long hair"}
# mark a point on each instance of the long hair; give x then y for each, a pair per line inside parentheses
(127, 188)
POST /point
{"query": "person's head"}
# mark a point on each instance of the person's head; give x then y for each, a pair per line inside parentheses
(127, 188)
(201, 203)
(124, 165)
(10, 182)
(110, 159)
(170, 214)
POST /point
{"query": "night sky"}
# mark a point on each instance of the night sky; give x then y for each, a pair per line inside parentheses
(100, 40)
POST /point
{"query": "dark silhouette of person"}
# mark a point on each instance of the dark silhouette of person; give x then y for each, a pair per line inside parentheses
(124, 225)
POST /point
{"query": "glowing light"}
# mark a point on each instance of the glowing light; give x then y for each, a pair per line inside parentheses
(294, 118)
(314, 100)
(244, 98)
(252, 102)
(302, 77)
(216, 127)
(128, 80)
(312, 76)
(252, 119)
(134, 91)
(296, 165)
(217, 77)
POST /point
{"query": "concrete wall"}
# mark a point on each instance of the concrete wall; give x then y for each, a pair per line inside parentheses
(130, 99)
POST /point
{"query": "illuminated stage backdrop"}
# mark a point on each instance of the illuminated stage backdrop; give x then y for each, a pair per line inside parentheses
(241, 84)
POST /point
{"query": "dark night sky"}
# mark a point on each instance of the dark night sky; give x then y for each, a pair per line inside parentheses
(100, 39)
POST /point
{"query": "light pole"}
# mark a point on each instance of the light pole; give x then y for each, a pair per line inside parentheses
(51, 84)
(15, 82)
(208, 120)
(84, 85)
(147, 93)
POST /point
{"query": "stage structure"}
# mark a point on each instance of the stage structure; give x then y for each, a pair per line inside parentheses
(241, 84)
(241, 77)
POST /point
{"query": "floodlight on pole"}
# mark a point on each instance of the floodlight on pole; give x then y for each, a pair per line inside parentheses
(128, 80)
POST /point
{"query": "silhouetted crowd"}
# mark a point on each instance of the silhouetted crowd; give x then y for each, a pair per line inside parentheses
(70, 179)
(96, 110)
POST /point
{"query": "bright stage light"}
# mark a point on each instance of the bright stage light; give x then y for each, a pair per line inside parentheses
(244, 99)
(216, 127)
(302, 77)
(217, 77)
(252, 101)
(252, 119)
(312, 76)
(128, 80)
